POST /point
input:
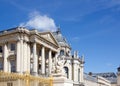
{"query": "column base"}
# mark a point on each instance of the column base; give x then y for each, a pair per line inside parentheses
(34, 73)
(18, 72)
(43, 75)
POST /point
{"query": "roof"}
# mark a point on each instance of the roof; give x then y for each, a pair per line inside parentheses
(90, 78)
(60, 39)
(111, 76)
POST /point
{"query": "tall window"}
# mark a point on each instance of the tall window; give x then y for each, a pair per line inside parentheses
(66, 71)
(13, 65)
(79, 75)
(31, 67)
(12, 47)
(62, 52)
(1, 65)
(0, 49)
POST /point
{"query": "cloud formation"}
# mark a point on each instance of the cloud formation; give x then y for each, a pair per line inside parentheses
(40, 22)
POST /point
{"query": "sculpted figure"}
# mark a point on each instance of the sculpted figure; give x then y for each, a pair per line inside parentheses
(59, 66)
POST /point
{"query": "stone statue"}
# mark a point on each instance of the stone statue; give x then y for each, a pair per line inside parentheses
(59, 66)
(53, 68)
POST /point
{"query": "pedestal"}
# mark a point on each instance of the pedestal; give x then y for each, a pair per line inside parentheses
(61, 80)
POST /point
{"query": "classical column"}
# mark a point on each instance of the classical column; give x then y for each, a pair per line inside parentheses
(82, 69)
(25, 56)
(43, 60)
(5, 55)
(9, 67)
(82, 73)
(50, 63)
(35, 59)
(21, 55)
(28, 59)
(18, 60)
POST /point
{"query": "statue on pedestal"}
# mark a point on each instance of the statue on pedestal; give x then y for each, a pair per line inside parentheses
(58, 68)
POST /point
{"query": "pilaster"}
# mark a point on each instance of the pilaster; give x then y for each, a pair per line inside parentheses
(18, 60)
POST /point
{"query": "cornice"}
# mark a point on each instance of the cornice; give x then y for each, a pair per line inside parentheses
(14, 31)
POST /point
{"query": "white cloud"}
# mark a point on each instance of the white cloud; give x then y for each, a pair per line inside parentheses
(75, 39)
(40, 22)
(109, 64)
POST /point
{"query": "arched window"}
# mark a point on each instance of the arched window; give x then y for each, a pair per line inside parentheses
(61, 52)
(66, 71)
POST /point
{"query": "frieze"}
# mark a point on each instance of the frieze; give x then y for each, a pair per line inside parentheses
(47, 42)
(8, 38)
(38, 38)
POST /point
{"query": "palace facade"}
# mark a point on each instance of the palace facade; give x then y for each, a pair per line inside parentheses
(44, 54)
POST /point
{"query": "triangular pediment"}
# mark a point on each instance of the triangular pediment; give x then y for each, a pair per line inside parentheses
(48, 36)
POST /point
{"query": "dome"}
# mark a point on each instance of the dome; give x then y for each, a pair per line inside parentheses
(60, 39)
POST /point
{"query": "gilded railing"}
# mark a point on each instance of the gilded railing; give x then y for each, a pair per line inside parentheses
(24, 79)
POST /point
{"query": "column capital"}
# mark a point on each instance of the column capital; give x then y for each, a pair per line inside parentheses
(5, 42)
(49, 49)
(18, 40)
(32, 42)
(42, 45)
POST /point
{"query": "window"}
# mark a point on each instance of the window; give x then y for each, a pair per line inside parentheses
(12, 47)
(1, 65)
(13, 65)
(31, 67)
(10, 84)
(66, 71)
(0, 49)
(79, 75)
(62, 52)
(39, 68)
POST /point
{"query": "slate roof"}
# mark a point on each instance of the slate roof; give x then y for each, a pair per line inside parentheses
(60, 39)
(111, 76)
(90, 78)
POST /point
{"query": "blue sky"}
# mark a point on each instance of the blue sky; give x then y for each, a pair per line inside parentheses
(90, 26)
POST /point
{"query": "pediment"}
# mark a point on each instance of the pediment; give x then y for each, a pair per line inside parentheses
(48, 36)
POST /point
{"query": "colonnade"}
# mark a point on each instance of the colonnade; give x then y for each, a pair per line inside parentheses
(23, 57)
(35, 59)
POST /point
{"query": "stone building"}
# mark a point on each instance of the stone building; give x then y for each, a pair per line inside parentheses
(45, 54)
(102, 79)
(41, 54)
